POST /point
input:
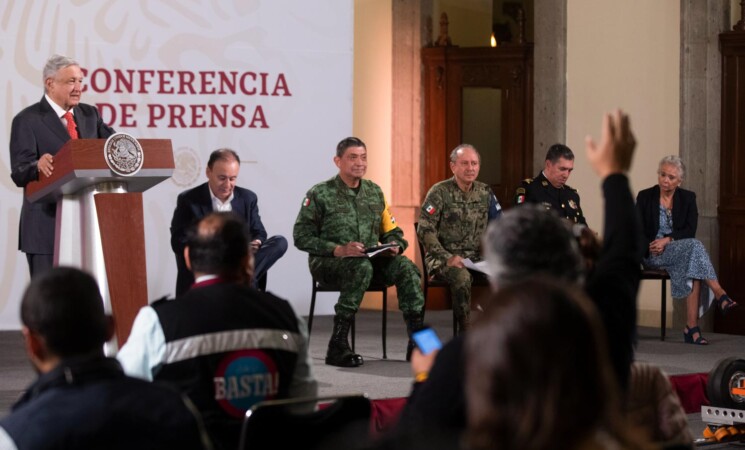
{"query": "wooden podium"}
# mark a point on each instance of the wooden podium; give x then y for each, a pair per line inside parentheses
(100, 225)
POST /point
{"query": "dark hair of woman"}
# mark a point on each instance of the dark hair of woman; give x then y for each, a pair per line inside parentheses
(537, 374)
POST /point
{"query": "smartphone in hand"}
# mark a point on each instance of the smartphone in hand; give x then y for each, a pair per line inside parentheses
(426, 340)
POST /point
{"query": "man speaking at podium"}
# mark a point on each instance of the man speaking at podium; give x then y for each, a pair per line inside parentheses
(37, 134)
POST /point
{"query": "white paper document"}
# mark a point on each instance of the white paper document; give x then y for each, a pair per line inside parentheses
(480, 266)
(372, 251)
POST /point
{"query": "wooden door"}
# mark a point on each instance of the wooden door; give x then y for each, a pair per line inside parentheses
(484, 97)
(732, 181)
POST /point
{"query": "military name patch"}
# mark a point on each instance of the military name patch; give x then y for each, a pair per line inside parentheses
(430, 209)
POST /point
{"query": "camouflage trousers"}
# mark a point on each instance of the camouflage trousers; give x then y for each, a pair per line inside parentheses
(353, 275)
(460, 281)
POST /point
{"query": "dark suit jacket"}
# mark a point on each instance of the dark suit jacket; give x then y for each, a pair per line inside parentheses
(35, 131)
(196, 203)
(685, 213)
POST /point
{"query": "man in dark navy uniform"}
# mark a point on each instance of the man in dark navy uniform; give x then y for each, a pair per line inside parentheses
(549, 188)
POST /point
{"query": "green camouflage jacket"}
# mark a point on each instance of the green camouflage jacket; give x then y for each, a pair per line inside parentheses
(333, 214)
(452, 221)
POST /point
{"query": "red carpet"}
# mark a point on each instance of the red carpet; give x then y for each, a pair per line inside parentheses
(691, 389)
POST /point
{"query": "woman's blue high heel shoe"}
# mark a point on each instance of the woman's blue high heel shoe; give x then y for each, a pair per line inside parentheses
(688, 336)
(726, 304)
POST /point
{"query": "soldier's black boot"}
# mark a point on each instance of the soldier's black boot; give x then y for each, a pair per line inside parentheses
(339, 353)
(414, 322)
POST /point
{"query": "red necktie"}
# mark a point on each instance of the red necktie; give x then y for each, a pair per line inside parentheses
(71, 125)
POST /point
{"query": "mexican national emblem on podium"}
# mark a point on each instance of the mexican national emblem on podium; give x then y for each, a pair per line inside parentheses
(123, 154)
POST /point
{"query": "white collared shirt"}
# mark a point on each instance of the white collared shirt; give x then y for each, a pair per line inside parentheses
(220, 206)
(58, 110)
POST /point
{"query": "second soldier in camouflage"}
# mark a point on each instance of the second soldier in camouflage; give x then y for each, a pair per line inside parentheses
(452, 221)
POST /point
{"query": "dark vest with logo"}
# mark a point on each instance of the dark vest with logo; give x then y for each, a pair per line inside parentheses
(227, 348)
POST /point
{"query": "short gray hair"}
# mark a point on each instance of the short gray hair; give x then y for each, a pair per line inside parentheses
(675, 161)
(53, 65)
(529, 241)
(223, 154)
(454, 153)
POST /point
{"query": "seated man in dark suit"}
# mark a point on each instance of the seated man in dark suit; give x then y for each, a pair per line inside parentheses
(36, 135)
(220, 193)
(224, 344)
(83, 399)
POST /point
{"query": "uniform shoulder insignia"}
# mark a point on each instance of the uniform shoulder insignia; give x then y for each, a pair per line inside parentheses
(528, 180)
(570, 188)
(520, 190)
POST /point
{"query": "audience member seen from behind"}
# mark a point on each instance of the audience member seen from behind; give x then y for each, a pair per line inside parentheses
(653, 405)
(224, 344)
(83, 399)
(550, 384)
(670, 217)
(529, 241)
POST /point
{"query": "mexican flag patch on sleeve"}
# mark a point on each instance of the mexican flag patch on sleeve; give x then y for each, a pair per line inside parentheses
(306, 202)
(430, 209)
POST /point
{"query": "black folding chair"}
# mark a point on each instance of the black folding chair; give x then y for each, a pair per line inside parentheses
(431, 281)
(296, 424)
(374, 287)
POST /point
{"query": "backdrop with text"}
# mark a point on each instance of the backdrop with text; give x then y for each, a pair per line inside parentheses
(270, 79)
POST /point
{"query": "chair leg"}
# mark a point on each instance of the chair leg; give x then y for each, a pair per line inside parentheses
(312, 308)
(385, 320)
(663, 309)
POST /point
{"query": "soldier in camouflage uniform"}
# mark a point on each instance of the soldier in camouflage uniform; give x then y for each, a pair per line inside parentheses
(549, 188)
(338, 220)
(453, 219)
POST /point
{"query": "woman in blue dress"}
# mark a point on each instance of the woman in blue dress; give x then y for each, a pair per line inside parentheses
(670, 217)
